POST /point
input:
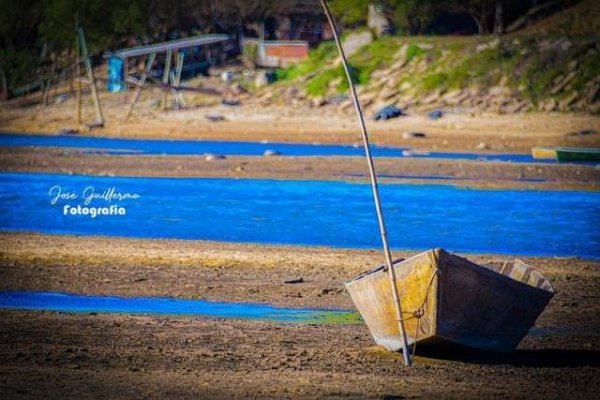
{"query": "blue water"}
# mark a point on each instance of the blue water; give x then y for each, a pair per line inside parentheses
(339, 214)
(194, 147)
(190, 147)
(74, 303)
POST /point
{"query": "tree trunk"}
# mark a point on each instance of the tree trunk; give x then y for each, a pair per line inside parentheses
(499, 18)
(4, 82)
(480, 24)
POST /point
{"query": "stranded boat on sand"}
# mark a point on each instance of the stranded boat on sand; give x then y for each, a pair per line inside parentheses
(447, 298)
(437, 296)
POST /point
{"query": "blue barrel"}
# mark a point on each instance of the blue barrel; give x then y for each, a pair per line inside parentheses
(116, 74)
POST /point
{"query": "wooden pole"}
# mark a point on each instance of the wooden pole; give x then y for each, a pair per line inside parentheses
(77, 78)
(140, 85)
(374, 187)
(179, 70)
(90, 75)
(165, 81)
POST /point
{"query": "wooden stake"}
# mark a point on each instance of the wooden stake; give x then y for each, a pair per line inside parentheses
(374, 187)
(165, 81)
(140, 85)
(90, 75)
(179, 70)
(77, 75)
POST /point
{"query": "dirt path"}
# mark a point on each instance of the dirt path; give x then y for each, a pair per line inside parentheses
(116, 356)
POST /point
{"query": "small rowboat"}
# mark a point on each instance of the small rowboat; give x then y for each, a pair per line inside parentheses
(446, 298)
(566, 153)
(577, 154)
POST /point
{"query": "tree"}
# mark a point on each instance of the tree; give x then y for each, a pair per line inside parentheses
(350, 13)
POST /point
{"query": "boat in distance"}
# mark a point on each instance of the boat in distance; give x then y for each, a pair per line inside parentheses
(566, 153)
(447, 298)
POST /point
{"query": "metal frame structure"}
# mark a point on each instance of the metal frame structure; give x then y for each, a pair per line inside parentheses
(170, 81)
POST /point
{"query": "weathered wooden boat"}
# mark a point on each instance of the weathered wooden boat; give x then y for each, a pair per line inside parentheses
(447, 298)
(543, 153)
(577, 154)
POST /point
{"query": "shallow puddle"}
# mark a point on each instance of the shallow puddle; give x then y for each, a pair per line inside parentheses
(75, 303)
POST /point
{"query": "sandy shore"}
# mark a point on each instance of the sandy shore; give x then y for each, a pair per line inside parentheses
(116, 356)
(413, 170)
(458, 130)
(57, 355)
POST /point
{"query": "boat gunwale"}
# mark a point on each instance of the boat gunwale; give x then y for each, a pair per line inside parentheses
(477, 268)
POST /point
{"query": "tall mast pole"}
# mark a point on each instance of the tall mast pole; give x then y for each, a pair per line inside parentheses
(374, 187)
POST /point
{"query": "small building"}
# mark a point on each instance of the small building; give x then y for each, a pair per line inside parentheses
(280, 53)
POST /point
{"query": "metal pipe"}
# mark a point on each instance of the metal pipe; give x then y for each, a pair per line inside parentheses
(374, 187)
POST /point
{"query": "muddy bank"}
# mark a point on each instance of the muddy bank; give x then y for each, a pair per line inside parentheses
(459, 172)
(117, 356)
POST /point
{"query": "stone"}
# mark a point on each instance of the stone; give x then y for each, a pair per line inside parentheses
(404, 86)
(481, 47)
(592, 91)
(567, 101)
(377, 20)
(318, 102)
(563, 83)
(264, 78)
(215, 117)
(388, 112)
(482, 146)
(514, 108)
(212, 157)
(594, 108)
(238, 89)
(432, 98)
(435, 114)
(271, 153)
(548, 105)
(61, 98)
(413, 135)
(355, 41)
(386, 94)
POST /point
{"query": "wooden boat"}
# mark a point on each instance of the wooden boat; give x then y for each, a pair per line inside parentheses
(543, 153)
(446, 298)
(577, 154)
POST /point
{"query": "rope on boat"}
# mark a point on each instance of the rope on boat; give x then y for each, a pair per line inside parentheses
(375, 189)
(419, 313)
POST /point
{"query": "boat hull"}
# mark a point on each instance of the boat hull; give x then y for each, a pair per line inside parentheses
(577, 154)
(446, 298)
(543, 153)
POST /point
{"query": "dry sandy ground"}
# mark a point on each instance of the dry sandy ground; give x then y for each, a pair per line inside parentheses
(458, 130)
(121, 356)
(47, 354)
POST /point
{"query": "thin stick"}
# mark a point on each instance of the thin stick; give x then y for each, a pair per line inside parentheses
(77, 76)
(165, 98)
(90, 75)
(380, 219)
(140, 85)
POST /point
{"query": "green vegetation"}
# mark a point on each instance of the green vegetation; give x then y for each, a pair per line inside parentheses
(522, 66)
(362, 65)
